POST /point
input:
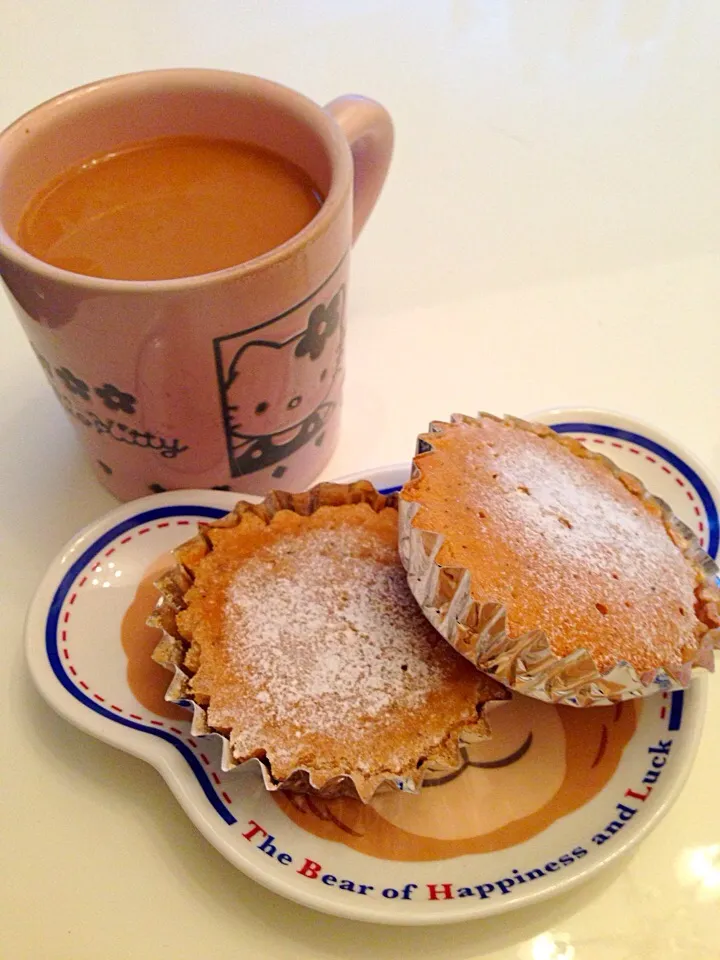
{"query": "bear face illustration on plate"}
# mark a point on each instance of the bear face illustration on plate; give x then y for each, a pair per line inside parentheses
(542, 762)
(278, 394)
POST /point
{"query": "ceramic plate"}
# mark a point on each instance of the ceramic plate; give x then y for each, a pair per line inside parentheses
(553, 798)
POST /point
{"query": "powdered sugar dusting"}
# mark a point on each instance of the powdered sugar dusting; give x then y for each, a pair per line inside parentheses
(327, 638)
(552, 503)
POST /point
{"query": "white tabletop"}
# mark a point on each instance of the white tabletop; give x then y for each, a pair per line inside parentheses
(549, 234)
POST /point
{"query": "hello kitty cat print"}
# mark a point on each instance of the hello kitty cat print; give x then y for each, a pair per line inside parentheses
(280, 387)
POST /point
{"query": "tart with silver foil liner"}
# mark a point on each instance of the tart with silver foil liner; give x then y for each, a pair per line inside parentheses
(178, 652)
(480, 625)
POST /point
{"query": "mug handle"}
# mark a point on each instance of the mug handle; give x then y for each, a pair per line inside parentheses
(369, 132)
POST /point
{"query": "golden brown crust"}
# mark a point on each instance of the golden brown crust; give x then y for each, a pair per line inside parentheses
(561, 548)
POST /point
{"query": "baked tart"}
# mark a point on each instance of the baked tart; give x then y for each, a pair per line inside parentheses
(290, 627)
(549, 568)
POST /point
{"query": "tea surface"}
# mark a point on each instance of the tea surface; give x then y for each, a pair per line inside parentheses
(169, 207)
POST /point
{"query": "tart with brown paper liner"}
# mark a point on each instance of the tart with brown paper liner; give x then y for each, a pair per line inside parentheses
(290, 630)
(551, 569)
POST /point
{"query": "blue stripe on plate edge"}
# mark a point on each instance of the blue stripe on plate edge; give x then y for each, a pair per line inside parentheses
(677, 700)
(51, 635)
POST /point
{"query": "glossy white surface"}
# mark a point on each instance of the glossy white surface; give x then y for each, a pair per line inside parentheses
(549, 234)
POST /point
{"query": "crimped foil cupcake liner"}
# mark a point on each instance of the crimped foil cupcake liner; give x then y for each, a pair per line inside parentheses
(526, 663)
(170, 651)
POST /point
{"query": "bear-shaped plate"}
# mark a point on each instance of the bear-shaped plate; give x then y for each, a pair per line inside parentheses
(555, 796)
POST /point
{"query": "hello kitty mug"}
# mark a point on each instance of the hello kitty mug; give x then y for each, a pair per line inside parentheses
(230, 379)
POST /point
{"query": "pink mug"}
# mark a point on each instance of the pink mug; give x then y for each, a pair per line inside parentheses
(230, 379)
